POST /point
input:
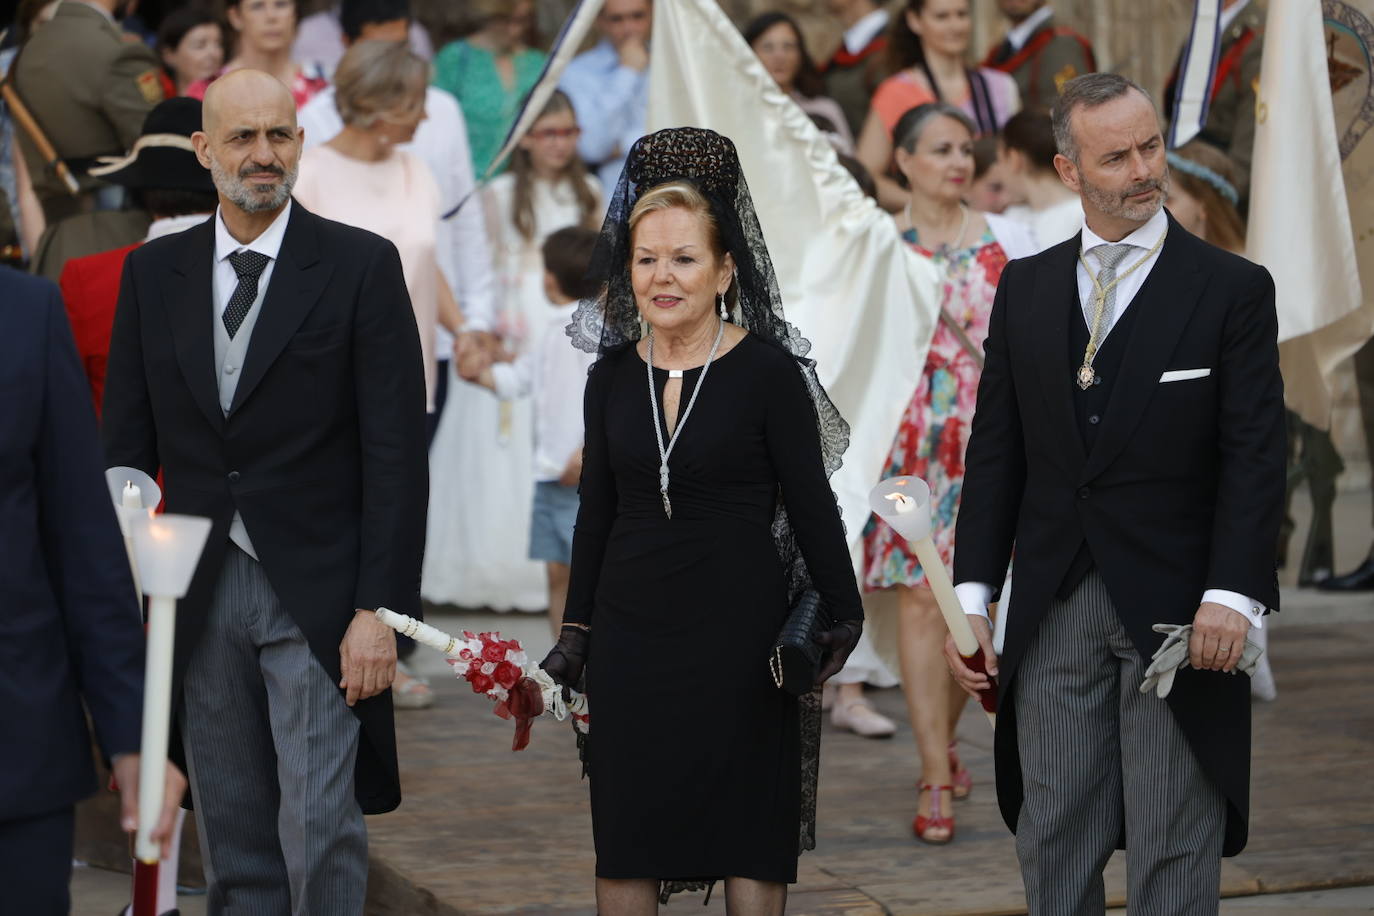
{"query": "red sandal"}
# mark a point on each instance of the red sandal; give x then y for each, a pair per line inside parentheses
(960, 776)
(937, 819)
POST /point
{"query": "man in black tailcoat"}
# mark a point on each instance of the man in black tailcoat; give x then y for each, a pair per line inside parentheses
(268, 362)
(1129, 440)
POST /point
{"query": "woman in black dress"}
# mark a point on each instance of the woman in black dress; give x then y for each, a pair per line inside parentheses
(705, 511)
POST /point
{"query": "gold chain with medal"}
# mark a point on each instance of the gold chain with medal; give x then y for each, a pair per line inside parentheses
(1087, 375)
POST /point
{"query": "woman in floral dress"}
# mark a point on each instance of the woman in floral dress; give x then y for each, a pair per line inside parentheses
(934, 150)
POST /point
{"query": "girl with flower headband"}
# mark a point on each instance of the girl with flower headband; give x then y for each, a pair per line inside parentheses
(705, 513)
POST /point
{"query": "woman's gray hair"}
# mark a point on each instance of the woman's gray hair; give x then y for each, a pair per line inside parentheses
(906, 133)
(1087, 91)
(376, 77)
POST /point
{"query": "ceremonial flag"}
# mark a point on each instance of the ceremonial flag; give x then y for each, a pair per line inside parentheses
(867, 303)
(1196, 70)
(1300, 227)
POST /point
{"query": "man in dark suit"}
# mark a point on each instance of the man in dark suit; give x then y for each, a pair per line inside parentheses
(1129, 439)
(70, 631)
(268, 363)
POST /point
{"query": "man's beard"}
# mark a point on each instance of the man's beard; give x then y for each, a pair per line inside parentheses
(251, 199)
(1118, 203)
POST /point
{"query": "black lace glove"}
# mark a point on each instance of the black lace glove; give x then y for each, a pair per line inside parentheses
(566, 659)
(838, 641)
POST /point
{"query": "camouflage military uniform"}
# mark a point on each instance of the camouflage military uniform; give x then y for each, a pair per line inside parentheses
(89, 89)
(1230, 123)
(1051, 56)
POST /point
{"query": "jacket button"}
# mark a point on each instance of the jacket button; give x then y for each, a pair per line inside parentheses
(1094, 419)
(233, 476)
(1084, 492)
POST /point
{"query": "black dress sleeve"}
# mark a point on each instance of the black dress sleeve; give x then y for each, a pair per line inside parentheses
(597, 499)
(795, 450)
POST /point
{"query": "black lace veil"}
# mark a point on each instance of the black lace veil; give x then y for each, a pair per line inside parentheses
(610, 321)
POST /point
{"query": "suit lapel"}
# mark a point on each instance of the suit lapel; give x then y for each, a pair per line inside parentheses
(1167, 300)
(1055, 288)
(298, 278)
(188, 297)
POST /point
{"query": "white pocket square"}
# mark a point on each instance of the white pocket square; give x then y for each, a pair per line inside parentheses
(1182, 375)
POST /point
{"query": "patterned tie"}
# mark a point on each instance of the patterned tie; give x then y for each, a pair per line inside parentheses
(249, 266)
(1108, 257)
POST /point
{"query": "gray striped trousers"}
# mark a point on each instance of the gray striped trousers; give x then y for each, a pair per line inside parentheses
(1100, 760)
(271, 747)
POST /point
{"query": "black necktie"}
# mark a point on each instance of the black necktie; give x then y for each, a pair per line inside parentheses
(249, 266)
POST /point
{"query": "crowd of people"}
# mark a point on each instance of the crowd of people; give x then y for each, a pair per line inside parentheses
(352, 455)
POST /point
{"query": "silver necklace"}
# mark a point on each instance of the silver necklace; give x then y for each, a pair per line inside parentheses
(963, 225)
(663, 453)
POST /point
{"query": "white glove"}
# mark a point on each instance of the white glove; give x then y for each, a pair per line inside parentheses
(1173, 655)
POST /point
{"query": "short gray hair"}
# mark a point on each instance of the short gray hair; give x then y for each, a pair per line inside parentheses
(1087, 91)
(375, 77)
(906, 133)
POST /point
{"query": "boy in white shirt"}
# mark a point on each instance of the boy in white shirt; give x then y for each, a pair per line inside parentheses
(554, 372)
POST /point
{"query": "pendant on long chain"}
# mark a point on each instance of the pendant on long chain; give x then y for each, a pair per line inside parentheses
(663, 490)
(1086, 376)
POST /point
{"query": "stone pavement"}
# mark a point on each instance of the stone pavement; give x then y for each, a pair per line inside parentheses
(485, 831)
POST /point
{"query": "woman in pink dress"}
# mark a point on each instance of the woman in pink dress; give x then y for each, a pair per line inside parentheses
(927, 53)
(264, 31)
(935, 153)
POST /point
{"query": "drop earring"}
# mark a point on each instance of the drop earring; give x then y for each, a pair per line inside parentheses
(724, 315)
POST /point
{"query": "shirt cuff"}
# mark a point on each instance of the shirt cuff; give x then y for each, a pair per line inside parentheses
(974, 597)
(1253, 611)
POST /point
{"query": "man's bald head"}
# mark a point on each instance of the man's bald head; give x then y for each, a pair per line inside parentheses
(241, 91)
(249, 140)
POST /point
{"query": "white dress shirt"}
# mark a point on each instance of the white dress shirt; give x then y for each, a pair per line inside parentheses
(1019, 34)
(462, 250)
(974, 596)
(229, 354)
(858, 35)
(556, 373)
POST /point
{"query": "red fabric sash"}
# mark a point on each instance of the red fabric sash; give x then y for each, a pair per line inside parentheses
(842, 57)
(1033, 48)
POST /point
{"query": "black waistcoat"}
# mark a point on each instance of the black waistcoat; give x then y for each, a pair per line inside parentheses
(1090, 406)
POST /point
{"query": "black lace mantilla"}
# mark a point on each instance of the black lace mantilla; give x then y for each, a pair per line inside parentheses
(610, 321)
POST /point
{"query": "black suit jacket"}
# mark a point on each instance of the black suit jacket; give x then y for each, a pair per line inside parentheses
(1182, 492)
(70, 628)
(323, 449)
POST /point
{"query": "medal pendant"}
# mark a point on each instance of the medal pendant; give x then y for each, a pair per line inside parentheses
(1086, 376)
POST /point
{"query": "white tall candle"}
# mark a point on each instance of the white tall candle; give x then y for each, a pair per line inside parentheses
(157, 716)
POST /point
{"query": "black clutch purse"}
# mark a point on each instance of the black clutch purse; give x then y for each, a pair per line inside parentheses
(796, 657)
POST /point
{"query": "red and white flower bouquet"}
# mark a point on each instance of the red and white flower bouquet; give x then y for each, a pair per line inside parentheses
(500, 669)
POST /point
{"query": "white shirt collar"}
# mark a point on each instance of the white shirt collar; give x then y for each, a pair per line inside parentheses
(1229, 16)
(858, 35)
(1144, 237)
(1019, 34)
(171, 225)
(268, 243)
